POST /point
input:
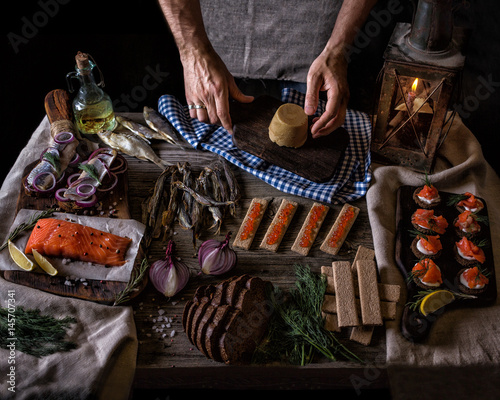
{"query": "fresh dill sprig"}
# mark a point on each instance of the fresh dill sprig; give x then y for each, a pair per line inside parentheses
(297, 334)
(136, 278)
(24, 226)
(455, 198)
(35, 334)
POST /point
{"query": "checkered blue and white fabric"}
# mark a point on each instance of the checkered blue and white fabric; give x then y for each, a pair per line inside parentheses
(350, 181)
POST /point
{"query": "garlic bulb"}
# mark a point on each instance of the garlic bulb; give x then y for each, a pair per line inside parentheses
(216, 257)
(169, 275)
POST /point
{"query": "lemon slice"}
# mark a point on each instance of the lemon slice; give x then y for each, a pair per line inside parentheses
(436, 300)
(20, 258)
(44, 263)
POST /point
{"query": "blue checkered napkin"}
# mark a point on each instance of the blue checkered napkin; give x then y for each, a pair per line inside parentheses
(350, 181)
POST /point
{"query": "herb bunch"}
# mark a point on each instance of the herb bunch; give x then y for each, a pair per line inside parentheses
(296, 334)
(35, 334)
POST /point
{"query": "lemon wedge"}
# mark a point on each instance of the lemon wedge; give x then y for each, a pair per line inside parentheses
(20, 258)
(44, 263)
(436, 300)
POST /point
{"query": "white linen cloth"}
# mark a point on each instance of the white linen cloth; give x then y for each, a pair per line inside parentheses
(103, 364)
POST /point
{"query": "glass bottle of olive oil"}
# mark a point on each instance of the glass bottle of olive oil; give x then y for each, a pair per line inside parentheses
(92, 107)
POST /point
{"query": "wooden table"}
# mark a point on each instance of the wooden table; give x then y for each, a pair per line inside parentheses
(166, 359)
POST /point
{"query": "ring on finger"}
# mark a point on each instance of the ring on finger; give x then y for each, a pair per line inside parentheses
(196, 106)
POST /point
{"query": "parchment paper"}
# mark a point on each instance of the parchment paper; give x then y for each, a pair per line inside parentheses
(78, 269)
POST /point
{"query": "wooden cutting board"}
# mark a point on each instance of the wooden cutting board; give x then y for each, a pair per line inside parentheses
(93, 290)
(316, 160)
(416, 327)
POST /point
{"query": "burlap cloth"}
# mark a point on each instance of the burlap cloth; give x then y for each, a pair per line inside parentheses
(461, 358)
(103, 364)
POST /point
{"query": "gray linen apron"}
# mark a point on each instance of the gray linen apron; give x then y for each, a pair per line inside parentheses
(265, 39)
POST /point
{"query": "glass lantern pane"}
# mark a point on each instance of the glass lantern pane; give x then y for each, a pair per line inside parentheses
(411, 111)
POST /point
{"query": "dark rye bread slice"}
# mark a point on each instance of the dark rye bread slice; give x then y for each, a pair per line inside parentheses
(235, 314)
(192, 305)
(225, 294)
(215, 329)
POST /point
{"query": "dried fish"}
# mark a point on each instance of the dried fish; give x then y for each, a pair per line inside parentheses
(156, 122)
(131, 145)
(154, 203)
(140, 130)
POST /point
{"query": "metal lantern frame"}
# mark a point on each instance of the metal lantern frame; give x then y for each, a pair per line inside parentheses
(402, 61)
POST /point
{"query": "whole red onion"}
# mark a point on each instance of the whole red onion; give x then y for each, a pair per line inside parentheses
(169, 275)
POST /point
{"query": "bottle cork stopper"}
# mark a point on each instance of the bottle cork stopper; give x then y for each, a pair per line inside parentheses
(82, 60)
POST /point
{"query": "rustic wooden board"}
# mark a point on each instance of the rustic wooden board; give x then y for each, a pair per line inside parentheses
(316, 160)
(116, 201)
(164, 346)
(414, 325)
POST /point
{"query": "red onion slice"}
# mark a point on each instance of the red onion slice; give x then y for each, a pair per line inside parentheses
(64, 137)
(85, 190)
(41, 175)
(91, 201)
(108, 188)
(59, 195)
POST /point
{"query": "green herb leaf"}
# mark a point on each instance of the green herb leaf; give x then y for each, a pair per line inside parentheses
(27, 225)
(35, 334)
(53, 159)
(296, 333)
(136, 278)
(91, 170)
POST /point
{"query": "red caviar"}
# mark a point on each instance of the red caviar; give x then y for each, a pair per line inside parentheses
(280, 224)
(251, 220)
(344, 221)
(316, 214)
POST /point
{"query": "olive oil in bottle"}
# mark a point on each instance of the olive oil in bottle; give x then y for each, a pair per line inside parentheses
(92, 107)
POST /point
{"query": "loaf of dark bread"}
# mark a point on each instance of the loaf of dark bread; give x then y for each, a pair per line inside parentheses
(227, 321)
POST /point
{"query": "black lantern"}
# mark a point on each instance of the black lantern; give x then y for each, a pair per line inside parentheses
(422, 65)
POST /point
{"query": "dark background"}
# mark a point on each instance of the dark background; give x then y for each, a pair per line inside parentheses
(130, 39)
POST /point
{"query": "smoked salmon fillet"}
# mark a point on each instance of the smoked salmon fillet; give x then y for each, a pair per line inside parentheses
(58, 238)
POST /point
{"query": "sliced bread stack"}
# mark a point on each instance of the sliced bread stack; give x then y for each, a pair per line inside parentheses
(355, 299)
(228, 320)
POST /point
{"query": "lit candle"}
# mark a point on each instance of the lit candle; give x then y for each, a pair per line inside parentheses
(410, 100)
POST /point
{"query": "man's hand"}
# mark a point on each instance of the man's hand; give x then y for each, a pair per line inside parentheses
(208, 83)
(327, 73)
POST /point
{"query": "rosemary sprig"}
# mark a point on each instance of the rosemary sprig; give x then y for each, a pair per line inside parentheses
(422, 293)
(297, 332)
(136, 278)
(24, 226)
(35, 334)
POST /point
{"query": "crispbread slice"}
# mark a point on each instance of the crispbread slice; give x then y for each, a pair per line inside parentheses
(340, 230)
(331, 322)
(245, 243)
(281, 222)
(362, 334)
(387, 308)
(368, 292)
(311, 228)
(344, 293)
